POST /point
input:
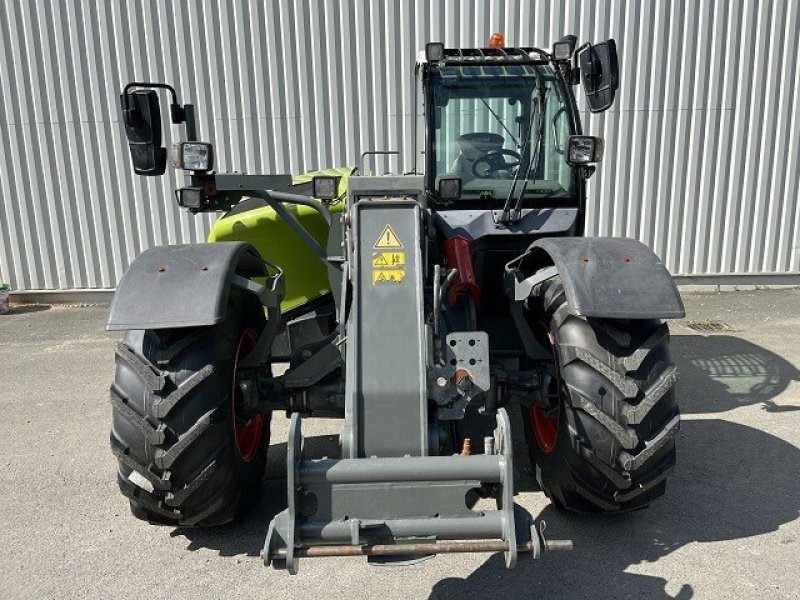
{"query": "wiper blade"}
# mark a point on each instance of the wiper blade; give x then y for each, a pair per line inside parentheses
(516, 215)
(505, 216)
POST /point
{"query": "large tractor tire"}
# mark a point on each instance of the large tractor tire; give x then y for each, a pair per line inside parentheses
(186, 454)
(606, 444)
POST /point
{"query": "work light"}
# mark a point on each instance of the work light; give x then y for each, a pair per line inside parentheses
(584, 149)
(192, 198)
(449, 187)
(325, 187)
(192, 156)
(563, 48)
(434, 51)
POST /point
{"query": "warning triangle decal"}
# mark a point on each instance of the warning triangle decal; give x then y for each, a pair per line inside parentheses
(388, 239)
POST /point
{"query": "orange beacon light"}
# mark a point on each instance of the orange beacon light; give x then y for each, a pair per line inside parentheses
(498, 40)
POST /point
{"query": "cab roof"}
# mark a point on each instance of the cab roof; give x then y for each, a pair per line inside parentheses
(488, 56)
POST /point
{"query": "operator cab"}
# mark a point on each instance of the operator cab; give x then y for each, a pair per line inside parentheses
(500, 121)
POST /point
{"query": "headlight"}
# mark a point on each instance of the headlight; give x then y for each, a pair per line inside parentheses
(584, 149)
(192, 156)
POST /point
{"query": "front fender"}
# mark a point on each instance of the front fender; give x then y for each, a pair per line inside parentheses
(181, 286)
(615, 278)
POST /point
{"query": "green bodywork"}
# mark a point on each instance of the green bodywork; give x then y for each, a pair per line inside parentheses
(305, 275)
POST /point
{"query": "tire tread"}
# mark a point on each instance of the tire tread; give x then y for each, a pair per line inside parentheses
(623, 464)
(172, 423)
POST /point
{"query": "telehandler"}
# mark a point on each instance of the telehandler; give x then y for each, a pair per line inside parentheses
(417, 308)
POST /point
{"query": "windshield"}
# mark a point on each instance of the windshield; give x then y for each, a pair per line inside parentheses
(486, 126)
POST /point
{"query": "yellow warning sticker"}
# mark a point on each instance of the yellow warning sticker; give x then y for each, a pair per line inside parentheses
(389, 264)
(388, 276)
(388, 239)
(385, 260)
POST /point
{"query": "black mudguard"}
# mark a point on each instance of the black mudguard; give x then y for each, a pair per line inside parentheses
(181, 286)
(615, 278)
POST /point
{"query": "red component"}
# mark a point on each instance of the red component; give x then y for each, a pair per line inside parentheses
(247, 433)
(544, 428)
(459, 256)
(498, 40)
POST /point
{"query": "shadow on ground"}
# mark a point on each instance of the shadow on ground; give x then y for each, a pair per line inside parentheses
(711, 497)
(722, 372)
(731, 482)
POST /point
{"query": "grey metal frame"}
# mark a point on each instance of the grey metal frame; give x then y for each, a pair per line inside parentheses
(342, 505)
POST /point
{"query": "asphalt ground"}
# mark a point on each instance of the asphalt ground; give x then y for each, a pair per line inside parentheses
(728, 526)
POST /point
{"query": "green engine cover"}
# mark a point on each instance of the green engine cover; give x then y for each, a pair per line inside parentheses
(306, 276)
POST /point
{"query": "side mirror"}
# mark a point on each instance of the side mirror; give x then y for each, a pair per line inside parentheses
(600, 74)
(142, 117)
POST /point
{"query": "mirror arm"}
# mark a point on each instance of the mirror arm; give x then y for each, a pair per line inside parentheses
(163, 86)
(593, 58)
(191, 123)
(178, 114)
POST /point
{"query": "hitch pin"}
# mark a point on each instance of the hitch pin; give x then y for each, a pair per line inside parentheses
(552, 545)
(442, 547)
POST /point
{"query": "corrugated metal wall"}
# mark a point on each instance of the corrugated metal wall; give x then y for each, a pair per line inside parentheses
(702, 145)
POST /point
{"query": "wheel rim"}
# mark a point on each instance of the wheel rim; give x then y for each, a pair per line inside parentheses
(545, 428)
(247, 432)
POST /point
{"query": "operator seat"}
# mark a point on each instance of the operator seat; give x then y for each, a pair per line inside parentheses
(473, 146)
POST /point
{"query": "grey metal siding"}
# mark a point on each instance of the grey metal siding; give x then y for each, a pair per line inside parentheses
(702, 145)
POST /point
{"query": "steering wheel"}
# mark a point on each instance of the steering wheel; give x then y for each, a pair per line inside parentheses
(495, 162)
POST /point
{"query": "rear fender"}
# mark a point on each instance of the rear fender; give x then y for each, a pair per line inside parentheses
(614, 278)
(181, 286)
